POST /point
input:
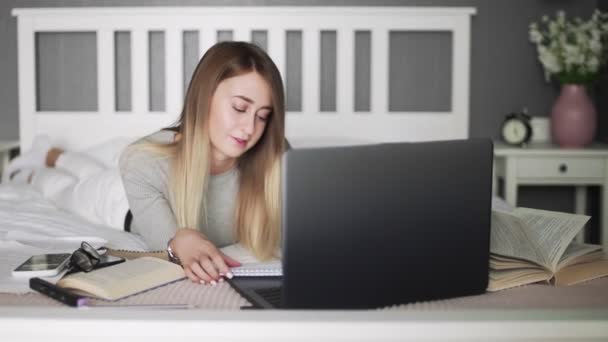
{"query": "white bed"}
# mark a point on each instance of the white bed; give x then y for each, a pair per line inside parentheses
(31, 224)
(311, 126)
(78, 130)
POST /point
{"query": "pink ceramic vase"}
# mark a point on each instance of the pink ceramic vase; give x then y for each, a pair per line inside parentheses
(573, 117)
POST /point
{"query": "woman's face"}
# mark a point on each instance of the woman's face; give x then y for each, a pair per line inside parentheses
(240, 107)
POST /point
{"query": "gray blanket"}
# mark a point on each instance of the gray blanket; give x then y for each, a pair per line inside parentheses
(590, 295)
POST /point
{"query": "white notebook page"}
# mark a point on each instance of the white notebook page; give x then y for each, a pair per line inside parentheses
(251, 267)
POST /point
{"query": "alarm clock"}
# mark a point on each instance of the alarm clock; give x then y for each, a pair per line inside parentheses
(516, 129)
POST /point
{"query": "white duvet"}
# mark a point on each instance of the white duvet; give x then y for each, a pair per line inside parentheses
(31, 224)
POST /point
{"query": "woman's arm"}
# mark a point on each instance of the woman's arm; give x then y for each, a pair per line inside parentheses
(144, 176)
(202, 261)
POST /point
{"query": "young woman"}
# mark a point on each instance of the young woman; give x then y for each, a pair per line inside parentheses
(213, 178)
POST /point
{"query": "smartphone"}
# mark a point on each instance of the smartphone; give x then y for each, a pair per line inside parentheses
(43, 265)
(108, 260)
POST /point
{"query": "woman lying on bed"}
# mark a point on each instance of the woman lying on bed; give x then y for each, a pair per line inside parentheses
(210, 181)
(213, 179)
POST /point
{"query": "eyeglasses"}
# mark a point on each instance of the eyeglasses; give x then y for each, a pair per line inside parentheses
(84, 258)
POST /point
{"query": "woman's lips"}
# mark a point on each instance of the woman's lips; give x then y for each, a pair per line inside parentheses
(240, 142)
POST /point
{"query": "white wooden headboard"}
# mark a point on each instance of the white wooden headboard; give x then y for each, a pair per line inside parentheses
(82, 129)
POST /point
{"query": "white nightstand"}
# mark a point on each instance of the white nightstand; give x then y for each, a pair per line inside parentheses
(5, 148)
(547, 164)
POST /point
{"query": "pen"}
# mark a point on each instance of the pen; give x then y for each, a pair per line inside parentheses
(59, 294)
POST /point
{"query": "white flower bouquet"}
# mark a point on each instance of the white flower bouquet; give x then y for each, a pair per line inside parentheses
(574, 52)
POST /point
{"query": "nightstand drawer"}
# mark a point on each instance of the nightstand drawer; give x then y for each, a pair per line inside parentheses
(556, 167)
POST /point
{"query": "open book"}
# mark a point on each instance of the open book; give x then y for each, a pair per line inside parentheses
(532, 245)
(122, 280)
(250, 266)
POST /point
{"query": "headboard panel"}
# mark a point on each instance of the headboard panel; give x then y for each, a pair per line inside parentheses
(82, 129)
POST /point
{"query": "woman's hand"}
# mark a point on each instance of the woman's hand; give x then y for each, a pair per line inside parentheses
(202, 261)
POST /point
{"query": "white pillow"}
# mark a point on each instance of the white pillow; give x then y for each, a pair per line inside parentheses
(109, 151)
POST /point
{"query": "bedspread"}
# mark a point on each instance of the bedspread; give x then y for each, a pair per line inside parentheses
(591, 295)
(31, 224)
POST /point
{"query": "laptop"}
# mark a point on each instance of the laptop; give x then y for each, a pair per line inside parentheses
(378, 225)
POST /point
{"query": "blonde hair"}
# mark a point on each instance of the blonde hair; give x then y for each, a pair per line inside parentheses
(257, 210)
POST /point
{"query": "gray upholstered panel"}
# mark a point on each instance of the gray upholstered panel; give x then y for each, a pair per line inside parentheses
(157, 71)
(293, 73)
(328, 71)
(420, 69)
(224, 35)
(122, 71)
(260, 38)
(362, 71)
(66, 69)
(191, 53)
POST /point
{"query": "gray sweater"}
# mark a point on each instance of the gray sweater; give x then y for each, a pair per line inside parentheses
(145, 177)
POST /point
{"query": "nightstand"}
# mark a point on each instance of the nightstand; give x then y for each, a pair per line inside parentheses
(547, 164)
(6, 146)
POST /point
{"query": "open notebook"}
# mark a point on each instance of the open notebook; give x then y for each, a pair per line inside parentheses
(251, 267)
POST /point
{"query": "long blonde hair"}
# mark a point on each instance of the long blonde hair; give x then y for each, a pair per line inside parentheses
(257, 210)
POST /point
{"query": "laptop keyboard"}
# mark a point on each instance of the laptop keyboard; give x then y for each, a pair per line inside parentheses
(274, 295)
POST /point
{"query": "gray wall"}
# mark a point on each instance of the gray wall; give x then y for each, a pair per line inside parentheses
(602, 92)
(505, 73)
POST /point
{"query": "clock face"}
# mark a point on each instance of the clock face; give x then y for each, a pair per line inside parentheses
(514, 131)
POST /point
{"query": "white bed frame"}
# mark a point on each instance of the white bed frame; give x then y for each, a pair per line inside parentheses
(81, 129)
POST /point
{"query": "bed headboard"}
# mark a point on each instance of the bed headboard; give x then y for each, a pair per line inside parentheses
(77, 129)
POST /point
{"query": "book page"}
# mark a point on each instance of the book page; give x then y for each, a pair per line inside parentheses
(551, 231)
(508, 238)
(579, 252)
(579, 273)
(500, 280)
(498, 262)
(124, 279)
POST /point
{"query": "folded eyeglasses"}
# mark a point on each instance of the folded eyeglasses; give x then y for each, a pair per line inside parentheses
(85, 258)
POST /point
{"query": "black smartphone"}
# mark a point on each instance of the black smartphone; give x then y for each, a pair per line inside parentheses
(108, 260)
(104, 261)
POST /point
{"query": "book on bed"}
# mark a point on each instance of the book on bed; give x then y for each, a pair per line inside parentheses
(123, 280)
(532, 245)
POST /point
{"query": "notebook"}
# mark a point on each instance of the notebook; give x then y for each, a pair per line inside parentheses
(251, 266)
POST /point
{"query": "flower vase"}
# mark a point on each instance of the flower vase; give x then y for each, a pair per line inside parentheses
(573, 117)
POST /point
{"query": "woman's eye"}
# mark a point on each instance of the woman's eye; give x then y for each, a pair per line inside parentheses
(240, 110)
(263, 118)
